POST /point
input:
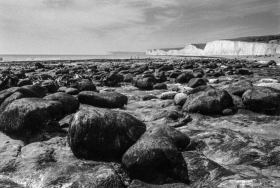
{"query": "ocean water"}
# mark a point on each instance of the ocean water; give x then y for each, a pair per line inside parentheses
(74, 57)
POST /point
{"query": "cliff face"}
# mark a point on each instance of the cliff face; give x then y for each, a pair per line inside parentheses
(223, 47)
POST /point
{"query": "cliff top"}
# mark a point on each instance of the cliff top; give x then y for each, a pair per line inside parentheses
(263, 39)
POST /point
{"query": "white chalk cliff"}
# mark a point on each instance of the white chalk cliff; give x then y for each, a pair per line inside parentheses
(223, 47)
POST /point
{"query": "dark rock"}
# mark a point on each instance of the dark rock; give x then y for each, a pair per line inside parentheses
(65, 122)
(195, 82)
(62, 89)
(128, 77)
(111, 80)
(160, 86)
(198, 74)
(243, 71)
(271, 63)
(168, 95)
(160, 77)
(262, 99)
(148, 97)
(72, 91)
(39, 90)
(200, 89)
(21, 93)
(106, 100)
(174, 115)
(240, 87)
(52, 164)
(237, 102)
(145, 83)
(184, 77)
(50, 85)
(24, 82)
(103, 135)
(69, 103)
(227, 112)
(86, 85)
(156, 156)
(62, 71)
(28, 115)
(39, 65)
(180, 99)
(209, 102)
(175, 74)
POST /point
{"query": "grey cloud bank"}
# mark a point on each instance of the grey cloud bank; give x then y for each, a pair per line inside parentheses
(96, 27)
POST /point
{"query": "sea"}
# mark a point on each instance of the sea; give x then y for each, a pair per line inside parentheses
(7, 58)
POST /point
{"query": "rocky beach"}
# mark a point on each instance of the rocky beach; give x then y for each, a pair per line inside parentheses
(153, 122)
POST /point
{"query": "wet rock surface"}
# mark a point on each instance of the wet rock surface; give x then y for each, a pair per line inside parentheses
(148, 123)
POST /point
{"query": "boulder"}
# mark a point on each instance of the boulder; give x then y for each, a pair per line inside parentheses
(200, 89)
(270, 85)
(39, 90)
(50, 85)
(112, 79)
(21, 93)
(69, 103)
(160, 77)
(72, 91)
(128, 77)
(86, 85)
(184, 77)
(180, 99)
(24, 82)
(168, 95)
(195, 82)
(145, 83)
(175, 74)
(240, 87)
(62, 89)
(262, 100)
(105, 100)
(103, 135)
(157, 154)
(149, 97)
(27, 115)
(271, 63)
(209, 102)
(160, 86)
(39, 65)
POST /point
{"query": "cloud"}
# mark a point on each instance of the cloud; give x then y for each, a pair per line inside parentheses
(88, 26)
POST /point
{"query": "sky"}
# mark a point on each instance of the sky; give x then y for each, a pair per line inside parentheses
(99, 26)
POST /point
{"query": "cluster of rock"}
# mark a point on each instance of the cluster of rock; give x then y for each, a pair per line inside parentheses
(72, 129)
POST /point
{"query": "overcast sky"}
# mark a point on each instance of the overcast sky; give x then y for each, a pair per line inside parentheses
(98, 26)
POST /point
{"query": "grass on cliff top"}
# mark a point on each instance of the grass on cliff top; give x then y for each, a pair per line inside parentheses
(262, 39)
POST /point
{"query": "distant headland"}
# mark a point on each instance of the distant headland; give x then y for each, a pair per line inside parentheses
(251, 45)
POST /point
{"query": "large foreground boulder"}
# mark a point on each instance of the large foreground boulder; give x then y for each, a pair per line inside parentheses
(25, 116)
(69, 103)
(157, 155)
(105, 100)
(262, 99)
(209, 102)
(103, 135)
